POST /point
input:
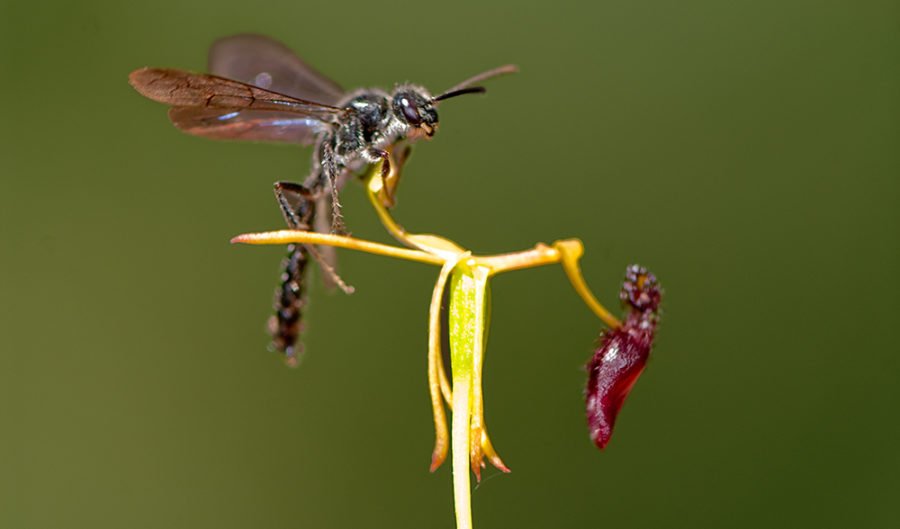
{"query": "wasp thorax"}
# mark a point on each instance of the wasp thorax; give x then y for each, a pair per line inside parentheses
(416, 109)
(372, 113)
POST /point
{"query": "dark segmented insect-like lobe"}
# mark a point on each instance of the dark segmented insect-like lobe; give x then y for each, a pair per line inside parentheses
(622, 354)
(641, 292)
(285, 323)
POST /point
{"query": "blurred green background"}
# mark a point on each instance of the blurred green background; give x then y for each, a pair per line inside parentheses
(747, 152)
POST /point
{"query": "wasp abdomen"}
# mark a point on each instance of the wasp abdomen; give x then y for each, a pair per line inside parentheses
(290, 300)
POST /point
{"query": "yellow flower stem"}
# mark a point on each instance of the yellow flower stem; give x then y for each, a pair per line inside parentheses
(540, 255)
(374, 186)
(566, 252)
(570, 252)
(340, 241)
(467, 327)
(437, 379)
(460, 434)
(419, 241)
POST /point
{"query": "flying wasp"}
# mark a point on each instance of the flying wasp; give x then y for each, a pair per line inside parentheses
(259, 90)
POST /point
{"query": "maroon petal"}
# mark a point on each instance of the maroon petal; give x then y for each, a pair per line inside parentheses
(622, 354)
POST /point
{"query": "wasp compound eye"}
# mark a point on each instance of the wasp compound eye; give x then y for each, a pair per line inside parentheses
(409, 109)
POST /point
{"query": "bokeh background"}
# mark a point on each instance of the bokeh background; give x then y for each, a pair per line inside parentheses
(747, 152)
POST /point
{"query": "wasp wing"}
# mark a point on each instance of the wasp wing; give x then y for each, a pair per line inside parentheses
(212, 106)
(264, 62)
(179, 88)
(248, 125)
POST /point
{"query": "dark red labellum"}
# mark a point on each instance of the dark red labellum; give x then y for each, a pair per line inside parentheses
(622, 354)
(614, 369)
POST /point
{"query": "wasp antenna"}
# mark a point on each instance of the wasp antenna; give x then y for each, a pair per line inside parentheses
(461, 91)
(483, 76)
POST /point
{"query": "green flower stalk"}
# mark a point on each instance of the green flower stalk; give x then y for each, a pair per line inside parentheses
(467, 277)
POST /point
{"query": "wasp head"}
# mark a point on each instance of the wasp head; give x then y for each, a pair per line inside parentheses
(416, 108)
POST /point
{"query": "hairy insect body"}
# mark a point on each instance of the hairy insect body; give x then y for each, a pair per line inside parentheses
(259, 90)
(373, 122)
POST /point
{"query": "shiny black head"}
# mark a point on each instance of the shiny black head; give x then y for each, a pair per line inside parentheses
(415, 108)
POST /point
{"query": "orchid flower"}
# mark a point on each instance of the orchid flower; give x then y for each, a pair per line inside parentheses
(612, 370)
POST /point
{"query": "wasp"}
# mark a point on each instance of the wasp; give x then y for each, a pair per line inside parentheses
(259, 90)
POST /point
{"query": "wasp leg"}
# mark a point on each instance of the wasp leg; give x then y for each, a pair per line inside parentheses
(297, 204)
(329, 167)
